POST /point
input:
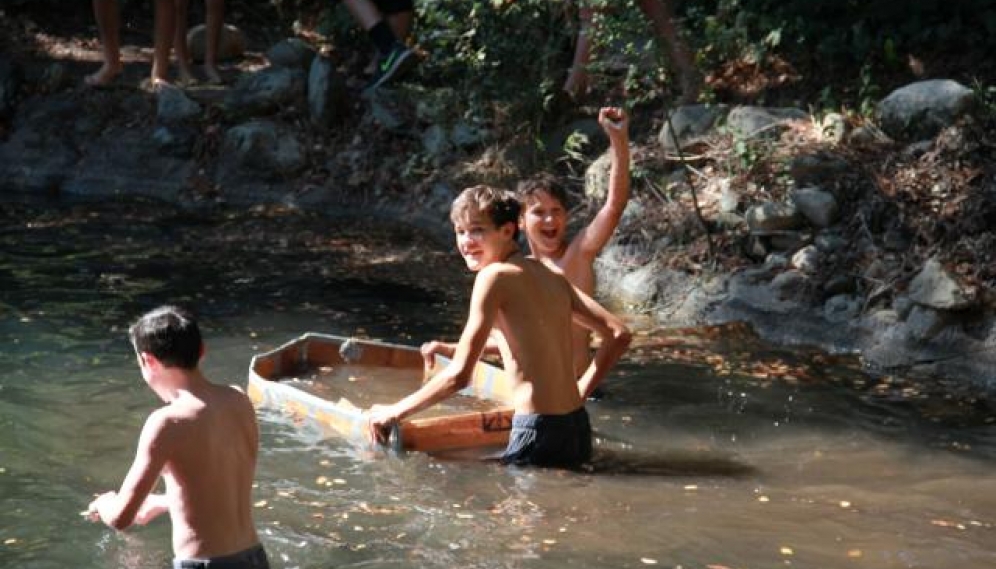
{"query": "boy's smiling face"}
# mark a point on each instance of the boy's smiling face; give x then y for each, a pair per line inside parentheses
(479, 241)
(544, 221)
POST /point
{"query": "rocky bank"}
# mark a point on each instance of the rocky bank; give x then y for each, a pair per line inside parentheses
(873, 235)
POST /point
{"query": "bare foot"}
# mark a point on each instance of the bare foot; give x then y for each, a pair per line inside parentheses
(154, 84)
(104, 76)
(186, 74)
(212, 74)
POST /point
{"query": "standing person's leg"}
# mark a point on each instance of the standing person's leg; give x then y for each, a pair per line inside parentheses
(181, 15)
(214, 21)
(108, 17)
(395, 58)
(162, 40)
(576, 83)
(662, 17)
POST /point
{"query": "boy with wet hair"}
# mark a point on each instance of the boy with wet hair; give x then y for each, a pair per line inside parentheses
(544, 222)
(203, 443)
(532, 308)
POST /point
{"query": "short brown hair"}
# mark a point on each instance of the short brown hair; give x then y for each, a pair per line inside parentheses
(501, 206)
(542, 182)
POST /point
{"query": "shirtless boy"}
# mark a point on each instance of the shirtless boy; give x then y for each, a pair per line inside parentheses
(532, 307)
(203, 443)
(544, 222)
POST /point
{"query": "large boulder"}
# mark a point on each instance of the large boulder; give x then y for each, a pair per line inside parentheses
(922, 109)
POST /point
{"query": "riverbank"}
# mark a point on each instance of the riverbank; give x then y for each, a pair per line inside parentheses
(873, 235)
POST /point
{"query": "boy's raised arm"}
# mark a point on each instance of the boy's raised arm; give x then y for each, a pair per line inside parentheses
(593, 238)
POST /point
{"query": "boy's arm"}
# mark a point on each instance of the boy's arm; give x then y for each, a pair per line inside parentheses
(455, 376)
(615, 338)
(593, 238)
(120, 509)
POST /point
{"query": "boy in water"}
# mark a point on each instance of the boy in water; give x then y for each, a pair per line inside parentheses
(532, 307)
(203, 443)
(544, 222)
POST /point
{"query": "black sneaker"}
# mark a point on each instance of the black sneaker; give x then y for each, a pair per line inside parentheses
(399, 61)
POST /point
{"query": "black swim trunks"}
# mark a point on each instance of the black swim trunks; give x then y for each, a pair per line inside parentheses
(252, 558)
(562, 441)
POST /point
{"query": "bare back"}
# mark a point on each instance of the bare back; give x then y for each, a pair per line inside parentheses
(213, 440)
(534, 315)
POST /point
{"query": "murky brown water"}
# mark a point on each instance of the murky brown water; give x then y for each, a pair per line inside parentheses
(713, 450)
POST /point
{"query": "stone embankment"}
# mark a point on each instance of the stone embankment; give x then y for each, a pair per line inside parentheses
(819, 255)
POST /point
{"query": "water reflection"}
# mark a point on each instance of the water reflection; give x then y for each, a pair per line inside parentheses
(713, 449)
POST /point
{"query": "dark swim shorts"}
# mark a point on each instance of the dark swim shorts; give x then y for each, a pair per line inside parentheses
(562, 441)
(252, 558)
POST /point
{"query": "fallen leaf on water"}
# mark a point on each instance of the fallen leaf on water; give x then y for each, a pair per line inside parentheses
(691, 487)
(854, 553)
(763, 499)
(260, 504)
(786, 551)
(549, 541)
(717, 567)
(845, 504)
(321, 480)
(10, 541)
(648, 561)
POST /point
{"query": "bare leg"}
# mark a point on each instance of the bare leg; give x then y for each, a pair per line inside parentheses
(576, 83)
(180, 42)
(661, 16)
(162, 40)
(214, 21)
(108, 26)
(364, 12)
(401, 24)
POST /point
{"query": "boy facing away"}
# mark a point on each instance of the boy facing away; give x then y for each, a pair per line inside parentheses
(544, 223)
(533, 307)
(203, 443)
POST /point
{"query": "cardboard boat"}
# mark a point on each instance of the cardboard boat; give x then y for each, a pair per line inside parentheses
(275, 382)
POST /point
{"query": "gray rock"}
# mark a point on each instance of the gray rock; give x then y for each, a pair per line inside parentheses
(771, 216)
(176, 141)
(807, 259)
(751, 122)
(924, 324)
(839, 285)
(596, 178)
(691, 123)
(818, 206)
(934, 288)
(264, 148)
(436, 142)
(465, 135)
(789, 241)
(291, 52)
(231, 44)
(327, 95)
(922, 109)
(389, 110)
(143, 170)
(841, 308)
(266, 91)
(834, 128)
(791, 285)
(173, 106)
(639, 288)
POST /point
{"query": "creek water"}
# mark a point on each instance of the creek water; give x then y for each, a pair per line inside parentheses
(713, 450)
